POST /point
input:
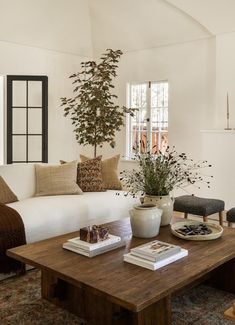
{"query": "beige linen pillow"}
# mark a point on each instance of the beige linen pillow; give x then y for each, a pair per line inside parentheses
(57, 179)
(6, 194)
(109, 172)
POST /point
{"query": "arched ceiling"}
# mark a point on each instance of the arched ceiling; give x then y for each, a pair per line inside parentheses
(218, 16)
(136, 24)
(84, 27)
(61, 25)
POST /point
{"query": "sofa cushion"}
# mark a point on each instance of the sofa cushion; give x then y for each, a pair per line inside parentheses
(6, 194)
(109, 171)
(89, 175)
(49, 216)
(57, 179)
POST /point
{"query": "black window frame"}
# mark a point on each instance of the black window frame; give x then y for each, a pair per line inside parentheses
(44, 107)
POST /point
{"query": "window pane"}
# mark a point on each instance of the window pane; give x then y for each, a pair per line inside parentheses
(164, 141)
(35, 121)
(19, 93)
(35, 93)
(143, 143)
(138, 96)
(138, 126)
(19, 121)
(19, 148)
(35, 148)
(159, 94)
(135, 141)
(155, 141)
(159, 115)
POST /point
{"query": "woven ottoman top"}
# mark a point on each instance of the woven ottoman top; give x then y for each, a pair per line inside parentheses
(198, 206)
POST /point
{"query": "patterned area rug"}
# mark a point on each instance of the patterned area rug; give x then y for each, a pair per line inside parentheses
(20, 304)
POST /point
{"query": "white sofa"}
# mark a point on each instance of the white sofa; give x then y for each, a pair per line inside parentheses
(49, 216)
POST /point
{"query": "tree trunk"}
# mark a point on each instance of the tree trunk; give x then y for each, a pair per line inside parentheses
(95, 149)
(95, 146)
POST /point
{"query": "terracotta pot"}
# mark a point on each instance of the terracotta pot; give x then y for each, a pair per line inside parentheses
(145, 220)
(165, 203)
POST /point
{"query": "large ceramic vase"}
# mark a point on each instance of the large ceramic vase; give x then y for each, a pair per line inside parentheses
(145, 220)
(165, 203)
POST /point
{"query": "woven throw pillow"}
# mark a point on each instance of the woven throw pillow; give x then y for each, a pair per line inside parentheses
(109, 171)
(6, 194)
(57, 179)
(89, 175)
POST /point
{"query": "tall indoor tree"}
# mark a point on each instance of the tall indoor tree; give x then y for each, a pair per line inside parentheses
(95, 115)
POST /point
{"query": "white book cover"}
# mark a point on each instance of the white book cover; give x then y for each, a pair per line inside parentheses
(90, 247)
(98, 251)
(157, 265)
(75, 249)
(155, 250)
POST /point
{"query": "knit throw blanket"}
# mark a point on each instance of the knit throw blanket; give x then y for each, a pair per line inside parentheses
(12, 234)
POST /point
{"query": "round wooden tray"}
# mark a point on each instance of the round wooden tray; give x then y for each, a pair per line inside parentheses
(216, 230)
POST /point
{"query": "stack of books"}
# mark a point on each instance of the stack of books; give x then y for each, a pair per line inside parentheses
(90, 250)
(155, 254)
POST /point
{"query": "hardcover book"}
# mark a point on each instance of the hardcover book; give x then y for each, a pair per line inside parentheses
(155, 250)
(90, 247)
(100, 250)
(154, 265)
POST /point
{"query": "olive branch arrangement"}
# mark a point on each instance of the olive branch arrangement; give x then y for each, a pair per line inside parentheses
(160, 172)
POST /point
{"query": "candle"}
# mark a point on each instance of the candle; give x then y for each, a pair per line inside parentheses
(227, 107)
(227, 115)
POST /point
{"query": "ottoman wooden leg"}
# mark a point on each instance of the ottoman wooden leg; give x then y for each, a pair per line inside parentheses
(221, 218)
(229, 224)
(186, 215)
(205, 219)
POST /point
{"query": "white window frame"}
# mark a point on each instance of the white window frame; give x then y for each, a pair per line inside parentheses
(129, 141)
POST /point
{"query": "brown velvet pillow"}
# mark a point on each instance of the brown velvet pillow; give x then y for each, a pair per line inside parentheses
(109, 171)
(6, 194)
(89, 175)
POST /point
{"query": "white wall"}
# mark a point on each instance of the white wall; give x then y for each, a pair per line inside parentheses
(218, 146)
(18, 59)
(225, 81)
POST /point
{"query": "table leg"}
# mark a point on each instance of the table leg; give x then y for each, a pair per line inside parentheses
(98, 309)
(223, 277)
(156, 314)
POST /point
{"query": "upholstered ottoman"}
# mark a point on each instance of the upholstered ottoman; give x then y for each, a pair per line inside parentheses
(189, 204)
(230, 215)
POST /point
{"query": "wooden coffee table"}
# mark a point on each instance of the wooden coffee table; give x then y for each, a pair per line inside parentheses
(105, 290)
